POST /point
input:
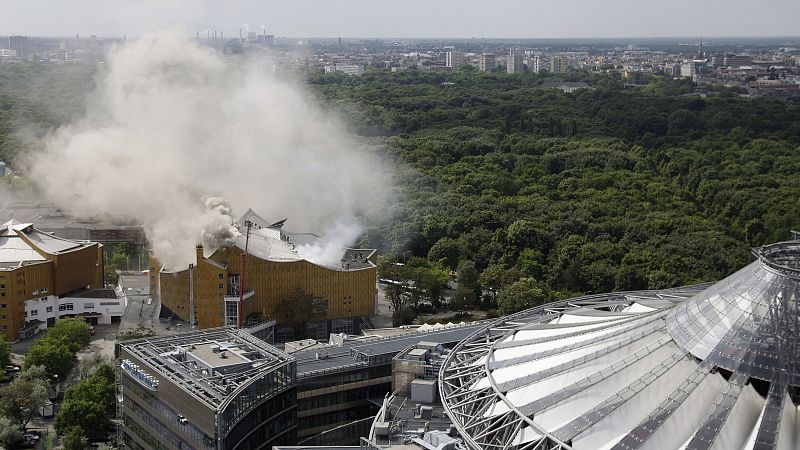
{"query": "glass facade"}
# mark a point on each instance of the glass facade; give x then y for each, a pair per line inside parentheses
(136, 396)
(268, 385)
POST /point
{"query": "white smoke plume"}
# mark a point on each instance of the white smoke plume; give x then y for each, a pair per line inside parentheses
(328, 250)
(174, 128)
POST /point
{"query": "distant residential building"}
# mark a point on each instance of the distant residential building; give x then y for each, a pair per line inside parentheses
(7, 53)
(20, 45)
(692, 68)
(537, 63)
(514, 64)
(773, 88)
(454, 59)
(348, 69)
(676, 70)
(487, 62)
(559, 64)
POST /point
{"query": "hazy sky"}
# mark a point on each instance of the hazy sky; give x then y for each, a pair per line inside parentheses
(407, 18)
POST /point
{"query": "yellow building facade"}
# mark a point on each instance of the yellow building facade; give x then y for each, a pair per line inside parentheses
(35, 265)
(278, 283)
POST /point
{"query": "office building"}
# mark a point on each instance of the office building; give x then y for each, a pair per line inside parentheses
(216, 389)
(44, 277)
(338, 383)
(454, 59)
(279, 284)
(714, 366)
(487, 62)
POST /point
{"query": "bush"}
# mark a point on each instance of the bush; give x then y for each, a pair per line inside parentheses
(408, 316)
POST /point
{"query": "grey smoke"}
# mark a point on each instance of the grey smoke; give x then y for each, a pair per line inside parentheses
(181, 139)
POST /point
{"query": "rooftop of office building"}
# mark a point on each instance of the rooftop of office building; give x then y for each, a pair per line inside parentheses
(210, 364)
(319, 360)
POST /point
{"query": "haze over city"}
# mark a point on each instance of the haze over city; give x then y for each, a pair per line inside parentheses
(415, 225)
(407, 19)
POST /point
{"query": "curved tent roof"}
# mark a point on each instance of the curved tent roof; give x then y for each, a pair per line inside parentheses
(704, 367)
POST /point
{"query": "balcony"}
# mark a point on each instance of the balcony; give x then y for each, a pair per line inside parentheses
(234, 295)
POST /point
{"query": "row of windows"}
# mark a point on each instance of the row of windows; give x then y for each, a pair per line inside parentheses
(130, 425)
(336, 379)
(351, 395)
(198, 436)
(66, 307)
(159, 428)
(335, 417)
(259, 390)
(276, 413)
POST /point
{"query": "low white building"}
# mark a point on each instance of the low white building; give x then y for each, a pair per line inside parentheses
(97, 306)
(348, 69)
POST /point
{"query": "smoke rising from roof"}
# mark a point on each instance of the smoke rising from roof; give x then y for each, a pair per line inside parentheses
(178, 138)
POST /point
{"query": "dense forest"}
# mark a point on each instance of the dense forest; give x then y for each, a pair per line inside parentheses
(556, 193)
(533, 193)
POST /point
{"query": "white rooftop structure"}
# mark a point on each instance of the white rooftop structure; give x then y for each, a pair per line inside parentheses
(703, 367)
(15, 251)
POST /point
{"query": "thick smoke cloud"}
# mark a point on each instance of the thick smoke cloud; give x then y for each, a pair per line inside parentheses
(179, 139)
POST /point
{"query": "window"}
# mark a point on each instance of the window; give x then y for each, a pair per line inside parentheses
(49, 309)
(34, 312)
(3, 317)
(88, 305)
(4, 306)
(221, 276)
(3, 286)
(4, 328)
(2, 294)
(109, 303)
(221, 286)
(66, 307)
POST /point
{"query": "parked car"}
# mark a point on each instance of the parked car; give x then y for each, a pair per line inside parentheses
(12, 368)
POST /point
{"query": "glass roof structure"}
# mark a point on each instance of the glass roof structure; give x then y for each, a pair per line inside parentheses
(700, 367)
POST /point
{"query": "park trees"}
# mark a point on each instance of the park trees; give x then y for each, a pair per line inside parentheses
(10, 432)
(89, 406)
(56, 350)
(21, 399)
(5, 352)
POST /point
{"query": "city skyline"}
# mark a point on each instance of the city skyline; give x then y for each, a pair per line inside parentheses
(511, 19)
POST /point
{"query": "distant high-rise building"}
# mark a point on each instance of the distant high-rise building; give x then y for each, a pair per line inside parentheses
(514, 64)
(559, 64)
(487, 62)
(20, 45)
(454, 59)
